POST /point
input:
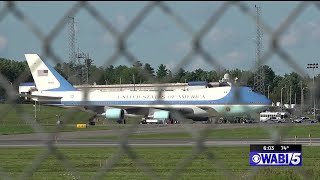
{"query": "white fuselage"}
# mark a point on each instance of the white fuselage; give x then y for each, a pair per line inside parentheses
(206, 97)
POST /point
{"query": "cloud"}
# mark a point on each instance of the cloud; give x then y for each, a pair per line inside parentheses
(290, 39)
(182, 46)
(108, 39)
(314, 27)
(234, 57)
(151, 27)
(3, 42)
(301, 34)
(121, 21)
(199, 63)
(171, 65)
(230, 60)
(218, 35)
(194, 64)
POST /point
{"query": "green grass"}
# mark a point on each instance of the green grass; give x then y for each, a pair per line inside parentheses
(19, 119)
(12, 115)
(162, 161)
(246, 133)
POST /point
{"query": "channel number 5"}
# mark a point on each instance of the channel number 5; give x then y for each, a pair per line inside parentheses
(295, 158)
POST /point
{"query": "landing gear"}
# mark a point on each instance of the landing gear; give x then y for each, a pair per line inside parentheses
(121, 121)
(92, 120)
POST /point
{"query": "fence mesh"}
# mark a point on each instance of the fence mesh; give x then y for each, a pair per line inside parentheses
(122, 50)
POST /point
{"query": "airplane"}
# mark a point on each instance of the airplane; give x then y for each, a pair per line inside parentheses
(197, 104)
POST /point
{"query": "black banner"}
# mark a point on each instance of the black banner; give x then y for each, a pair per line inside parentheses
(275, 147)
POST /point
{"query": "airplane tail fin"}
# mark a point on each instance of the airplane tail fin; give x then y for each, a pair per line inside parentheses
(45, 76)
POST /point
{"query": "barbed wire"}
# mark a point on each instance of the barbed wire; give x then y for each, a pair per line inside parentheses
(199, 136)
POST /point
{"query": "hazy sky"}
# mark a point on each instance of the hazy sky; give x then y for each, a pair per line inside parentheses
(159, 40)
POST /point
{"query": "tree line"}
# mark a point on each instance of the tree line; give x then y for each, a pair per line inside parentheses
(140, 73)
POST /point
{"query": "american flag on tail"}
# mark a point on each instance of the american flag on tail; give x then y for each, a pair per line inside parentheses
(42, 72)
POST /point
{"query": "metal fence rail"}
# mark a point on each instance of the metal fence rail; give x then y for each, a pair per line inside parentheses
(122, 49)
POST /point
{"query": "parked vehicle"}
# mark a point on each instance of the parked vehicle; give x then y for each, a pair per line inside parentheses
(279, 116)
(305, 120)
(248, 121)
(274, 120)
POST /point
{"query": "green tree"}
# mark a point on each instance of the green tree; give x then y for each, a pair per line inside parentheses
(150, 70)
(109, 75)
(162, 72)
(179, 76)
(269, 78)
(137, 64)
(61, 70)
(213, 76)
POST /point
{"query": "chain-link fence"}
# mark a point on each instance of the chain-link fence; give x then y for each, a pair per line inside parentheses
(122, 49)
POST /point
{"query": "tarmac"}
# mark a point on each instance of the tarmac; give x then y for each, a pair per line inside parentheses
(72, 139)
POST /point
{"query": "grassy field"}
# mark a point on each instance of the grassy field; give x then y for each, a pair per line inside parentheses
(162, 161)
(19, 119)
(301, 131)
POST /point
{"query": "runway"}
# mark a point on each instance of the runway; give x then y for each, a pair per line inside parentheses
(151, 143)
(142, 129)
(71, 139)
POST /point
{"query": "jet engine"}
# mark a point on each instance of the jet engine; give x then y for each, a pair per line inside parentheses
(115, 114)
(163, 115)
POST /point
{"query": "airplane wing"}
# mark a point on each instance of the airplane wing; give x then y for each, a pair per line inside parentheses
(211, 111)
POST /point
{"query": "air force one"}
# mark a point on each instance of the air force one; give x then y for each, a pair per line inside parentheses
(224, 100)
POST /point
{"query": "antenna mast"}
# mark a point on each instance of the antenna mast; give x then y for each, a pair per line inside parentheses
(259, 74)
(72, 50)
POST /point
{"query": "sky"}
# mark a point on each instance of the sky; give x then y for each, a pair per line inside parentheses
(159, 40)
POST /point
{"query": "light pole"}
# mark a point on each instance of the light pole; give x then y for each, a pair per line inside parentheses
(58, 119)
(268, 90)
(302, 99)
(290, 96)
(313, 66)
(281, 96)
(35, 110)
